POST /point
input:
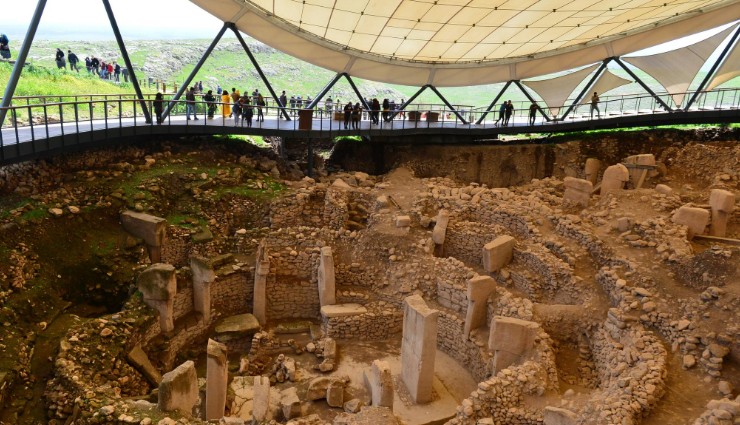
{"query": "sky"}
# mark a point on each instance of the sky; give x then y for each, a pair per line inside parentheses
(87, 20)
(151, 20)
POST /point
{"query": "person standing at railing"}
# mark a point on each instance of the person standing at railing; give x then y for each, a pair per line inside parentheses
(283, 99)
(386, 109)
(210, 103)
(595, 105)
(356, 114)
(235, 96)
(347, 114)
(59, 57)
(375, 113)
(190, 104)
(260, 105)
(73, 60)
(532, 113)
(509, 113)
(501, 114)
(226, 104)
(247, 111)
(158, 107)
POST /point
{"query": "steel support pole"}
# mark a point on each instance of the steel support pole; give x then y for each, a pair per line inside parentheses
(20, 62)
(434, 89)
(408, 102)
(716, 65)
(192, 75)
(587, 87)
(324, 91)
(259, 70)
(641, 83)
(531, 99)
(127, 61)
(331, 84)
(495, 99)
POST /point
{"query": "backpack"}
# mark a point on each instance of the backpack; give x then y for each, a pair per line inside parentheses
(4, 39)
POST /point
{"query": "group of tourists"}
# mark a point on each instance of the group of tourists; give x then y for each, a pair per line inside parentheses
(105, 70)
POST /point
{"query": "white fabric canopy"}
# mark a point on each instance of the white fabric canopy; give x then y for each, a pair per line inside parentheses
(555, 91)
(451, 43)
(730, 69)
(676, 69)
(607, 81)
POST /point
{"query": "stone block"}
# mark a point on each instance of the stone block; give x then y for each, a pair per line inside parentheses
(259, 296)
(379, 381)
(664, 189)
(510, 339)
(178, 389)
(341, 310)
(479, 289)
(403, 221)
(498, 253)
(647, 159)
(238, 326)
(318, 386)
(335, 394)
(696, 219)
(145, 226)
(577, 191)
(290, 404)
(140, 361)
(558, 416)
(203, 276)
(614, 179)
(418, 348)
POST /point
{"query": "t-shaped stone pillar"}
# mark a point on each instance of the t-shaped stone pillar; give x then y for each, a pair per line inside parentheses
(203, 276)
(148, 227)
(614, 179)
(591, 170)
(418, 348)
(179, 389)
(217, 375)
(510, 339)
(577, 191)
(498, 253)
(327, 288)
(479, 289)
(158, 284)
(261, 401)
(262, 269)
(440, 227)
(696, 219)
(722, 203)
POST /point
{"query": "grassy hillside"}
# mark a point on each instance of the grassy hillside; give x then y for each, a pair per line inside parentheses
(229, 66)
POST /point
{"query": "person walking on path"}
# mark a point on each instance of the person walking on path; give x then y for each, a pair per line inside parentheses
(532, 113)
(73, 60)
(59, 57)
(124, 71)
(283, 99)
(190, 103)
(158, 107)
(509, 113)
(226, 104)
(117, 72)
(95, 63)
(501, 114)
(88, 64)
(595, 105)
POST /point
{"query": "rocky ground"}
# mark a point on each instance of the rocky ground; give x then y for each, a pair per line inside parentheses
(64, 259)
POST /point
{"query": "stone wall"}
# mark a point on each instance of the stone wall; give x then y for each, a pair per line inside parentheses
(380, 322)
(291, 298)
(464, 240)
(304, 208)
(451, 340)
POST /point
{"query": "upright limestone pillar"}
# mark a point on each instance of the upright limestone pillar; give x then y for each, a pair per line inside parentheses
(440, 227)
(149, 228)
(479, 289)
(418, 348)
(203, 276)
(722, 203)
(217, 376)
(614, 179)
(327, 283)
(261, 401)
(591, 170)
(158, 284)
(262, 269)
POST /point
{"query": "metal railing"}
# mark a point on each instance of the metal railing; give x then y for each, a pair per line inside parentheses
(72, 118)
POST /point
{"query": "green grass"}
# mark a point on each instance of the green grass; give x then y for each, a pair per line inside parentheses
(271, 189)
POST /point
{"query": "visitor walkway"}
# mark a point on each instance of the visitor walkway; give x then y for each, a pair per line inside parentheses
(42, 127)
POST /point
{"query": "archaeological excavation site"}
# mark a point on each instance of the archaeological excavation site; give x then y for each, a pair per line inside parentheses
(587, 279)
